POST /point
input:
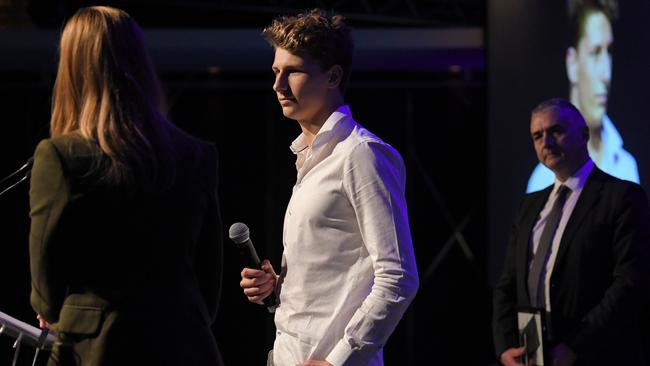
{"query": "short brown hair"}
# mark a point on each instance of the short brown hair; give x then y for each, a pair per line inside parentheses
(324, 37)
(579, 10)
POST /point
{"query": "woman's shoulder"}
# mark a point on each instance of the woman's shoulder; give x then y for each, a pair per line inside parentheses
(73, 146)
(183, 137)
(191, 147)
(77, 155)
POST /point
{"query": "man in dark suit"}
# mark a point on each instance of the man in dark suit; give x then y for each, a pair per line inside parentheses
(578, 250)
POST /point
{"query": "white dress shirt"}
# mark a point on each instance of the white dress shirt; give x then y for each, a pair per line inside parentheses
(348, 271)
(575, 183)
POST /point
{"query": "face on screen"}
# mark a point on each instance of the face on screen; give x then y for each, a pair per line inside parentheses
(590, 68)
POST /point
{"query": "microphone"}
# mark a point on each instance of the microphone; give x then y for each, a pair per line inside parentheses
(240, 235)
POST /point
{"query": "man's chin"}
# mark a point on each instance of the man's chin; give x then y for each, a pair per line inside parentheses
(289, 112)
(553, 163)
(595, 120)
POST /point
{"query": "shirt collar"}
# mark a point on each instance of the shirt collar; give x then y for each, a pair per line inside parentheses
(299, 144)
(577, 181)
(331, 125)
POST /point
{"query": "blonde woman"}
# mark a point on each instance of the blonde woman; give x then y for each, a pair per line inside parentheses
(125, 244)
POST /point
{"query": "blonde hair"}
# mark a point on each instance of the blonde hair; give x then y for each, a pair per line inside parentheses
(106, 90)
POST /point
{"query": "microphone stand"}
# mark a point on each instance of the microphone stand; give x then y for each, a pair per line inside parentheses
(27, 168)
(40, 339)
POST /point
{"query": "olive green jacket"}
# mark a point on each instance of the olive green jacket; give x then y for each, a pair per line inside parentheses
(126, 276)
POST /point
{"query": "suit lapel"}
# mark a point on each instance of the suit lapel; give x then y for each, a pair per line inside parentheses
(588, 198)
(525, 231)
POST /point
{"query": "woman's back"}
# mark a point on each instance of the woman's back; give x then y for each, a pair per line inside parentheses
(123, 267)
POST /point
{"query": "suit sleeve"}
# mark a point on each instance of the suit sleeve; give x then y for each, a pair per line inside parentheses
(48, 196)
(504, 322)
(209, 254)
(629, 289)
(374, 181)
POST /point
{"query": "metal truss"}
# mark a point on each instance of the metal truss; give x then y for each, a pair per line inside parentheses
(378, 13)
(257, 13)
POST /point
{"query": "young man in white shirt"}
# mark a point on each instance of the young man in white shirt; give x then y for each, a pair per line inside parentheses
(348, 268)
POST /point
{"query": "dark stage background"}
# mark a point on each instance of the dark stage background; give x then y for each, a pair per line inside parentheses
(418, 82)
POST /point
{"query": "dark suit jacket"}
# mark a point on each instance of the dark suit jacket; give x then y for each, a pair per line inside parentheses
(126, 277)
(600, 277)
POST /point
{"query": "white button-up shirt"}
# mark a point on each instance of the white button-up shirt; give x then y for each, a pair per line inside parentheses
(349, 271)
(575, 183)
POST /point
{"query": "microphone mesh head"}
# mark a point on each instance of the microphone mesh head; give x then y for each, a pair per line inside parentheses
(239, 232)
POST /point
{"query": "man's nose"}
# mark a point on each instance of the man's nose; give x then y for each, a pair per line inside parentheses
(605, 65)
(280, 83)
(548, 140)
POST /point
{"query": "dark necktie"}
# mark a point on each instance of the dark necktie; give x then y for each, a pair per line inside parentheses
(535, 280)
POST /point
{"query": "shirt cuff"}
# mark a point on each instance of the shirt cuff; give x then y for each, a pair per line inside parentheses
(340, 354)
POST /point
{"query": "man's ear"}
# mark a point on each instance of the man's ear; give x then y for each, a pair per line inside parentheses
(335, 76)
(572, 65)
